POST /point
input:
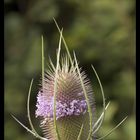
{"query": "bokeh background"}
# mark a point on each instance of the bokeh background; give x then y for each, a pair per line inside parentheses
(101, 32)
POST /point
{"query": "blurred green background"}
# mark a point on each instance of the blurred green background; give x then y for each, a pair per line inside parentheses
(101, 32)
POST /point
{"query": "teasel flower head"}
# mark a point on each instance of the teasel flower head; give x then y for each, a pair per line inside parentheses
(65, 101)
(71, 105)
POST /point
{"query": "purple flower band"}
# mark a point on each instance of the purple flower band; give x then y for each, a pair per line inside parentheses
(45, 107)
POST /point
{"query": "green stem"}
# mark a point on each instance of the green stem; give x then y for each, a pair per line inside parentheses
(33, 133)
(112, 130)
(86, 97)
(65, 44)
(102, 91)
(42, 62)
(55, 87)
(80, 133)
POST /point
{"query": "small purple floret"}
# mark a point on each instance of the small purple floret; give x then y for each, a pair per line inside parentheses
(45, 107)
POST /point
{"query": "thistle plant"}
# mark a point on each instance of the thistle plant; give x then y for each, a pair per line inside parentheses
(65, 101)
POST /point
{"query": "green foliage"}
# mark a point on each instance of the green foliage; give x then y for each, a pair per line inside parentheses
(101, 33)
